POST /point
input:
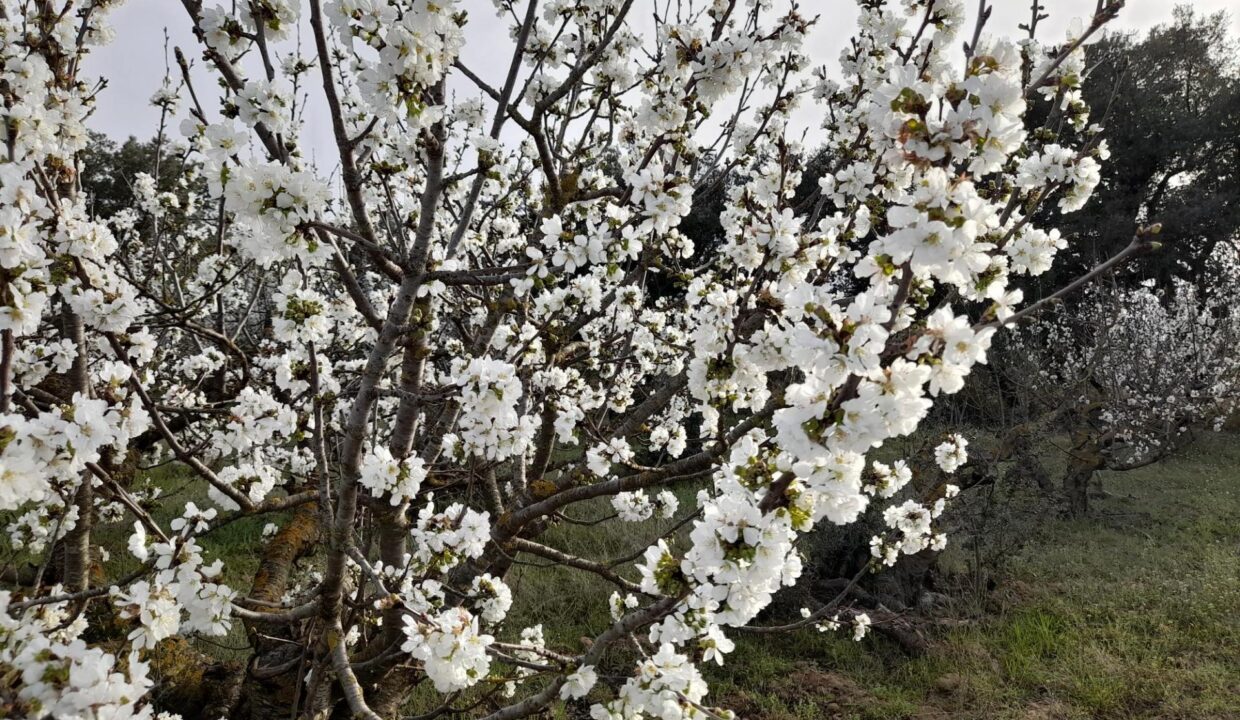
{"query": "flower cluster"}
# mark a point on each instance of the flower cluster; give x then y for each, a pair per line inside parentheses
(453, 652)
(384, 475)
(61, 676)
(490, 425)
(274, 203)
(667, 686)
(183, 595)
(411, 44)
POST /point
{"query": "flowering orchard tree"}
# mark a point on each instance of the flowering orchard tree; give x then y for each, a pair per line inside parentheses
(486, 320)
(1132, 372)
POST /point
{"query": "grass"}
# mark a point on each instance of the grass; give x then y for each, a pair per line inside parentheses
(239, 543)
(569, 603)
(1131, 613)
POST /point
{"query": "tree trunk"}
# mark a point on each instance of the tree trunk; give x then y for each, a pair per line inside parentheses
(76, 546)
(1086, 459)
(272, 683)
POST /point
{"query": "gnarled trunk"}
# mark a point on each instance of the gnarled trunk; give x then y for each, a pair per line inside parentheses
(272, 684)
(1086, 459)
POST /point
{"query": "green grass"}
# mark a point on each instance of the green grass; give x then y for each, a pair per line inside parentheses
(571, 604)
(239, 543)
(1131, 613)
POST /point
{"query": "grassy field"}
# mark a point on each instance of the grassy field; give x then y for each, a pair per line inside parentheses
(1132, 613)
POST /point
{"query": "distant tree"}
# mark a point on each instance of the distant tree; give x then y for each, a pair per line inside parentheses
(111, 167)
(1131, 374)
(1173, 129)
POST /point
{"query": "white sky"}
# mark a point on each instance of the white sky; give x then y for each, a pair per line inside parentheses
(134, 62)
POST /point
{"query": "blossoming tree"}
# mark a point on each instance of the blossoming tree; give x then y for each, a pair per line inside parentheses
(1130, 373)
(486, 317)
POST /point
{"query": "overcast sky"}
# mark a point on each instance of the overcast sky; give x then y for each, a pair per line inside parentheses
(134, 62)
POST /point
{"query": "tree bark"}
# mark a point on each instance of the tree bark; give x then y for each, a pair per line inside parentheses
(272, 680)
(1085, 460)
(76, 546)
